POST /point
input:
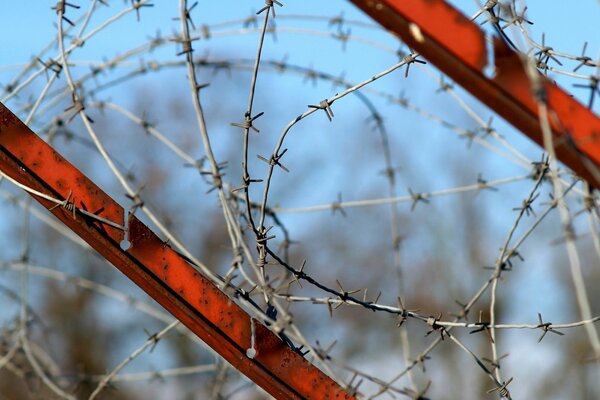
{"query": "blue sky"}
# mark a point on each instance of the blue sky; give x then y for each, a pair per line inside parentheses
(32, 23)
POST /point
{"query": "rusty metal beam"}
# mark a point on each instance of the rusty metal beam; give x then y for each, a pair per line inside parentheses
(454, 44)
(158, 270)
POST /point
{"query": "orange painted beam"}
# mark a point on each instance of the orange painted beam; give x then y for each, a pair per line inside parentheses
(456, 45)
(160, 271)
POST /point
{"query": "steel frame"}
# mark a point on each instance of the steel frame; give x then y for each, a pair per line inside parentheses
(432, 27)
(156, 268)
(457, 46)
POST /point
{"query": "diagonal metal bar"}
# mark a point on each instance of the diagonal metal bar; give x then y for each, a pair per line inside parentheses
(454, 44)
(160, 271)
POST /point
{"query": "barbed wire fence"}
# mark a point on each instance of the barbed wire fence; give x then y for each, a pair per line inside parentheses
(386, 287)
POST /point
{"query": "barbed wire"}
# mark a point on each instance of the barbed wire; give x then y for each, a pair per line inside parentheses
(258, 275)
